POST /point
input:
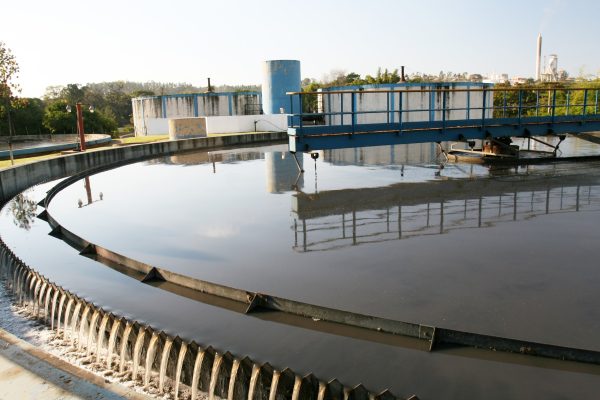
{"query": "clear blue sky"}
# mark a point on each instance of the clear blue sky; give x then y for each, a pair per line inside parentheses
(59, 42)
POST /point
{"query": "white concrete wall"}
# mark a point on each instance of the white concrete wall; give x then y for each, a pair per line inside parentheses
(179, 107)
(213, 105)
(156, 126)
(147, 110)
(245, 123)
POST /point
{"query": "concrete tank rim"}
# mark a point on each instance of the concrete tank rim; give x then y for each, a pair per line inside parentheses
(282, 60)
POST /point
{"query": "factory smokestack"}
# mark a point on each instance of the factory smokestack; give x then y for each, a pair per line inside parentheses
(538, 59)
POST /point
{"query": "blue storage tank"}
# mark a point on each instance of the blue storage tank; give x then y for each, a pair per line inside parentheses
(279, 77)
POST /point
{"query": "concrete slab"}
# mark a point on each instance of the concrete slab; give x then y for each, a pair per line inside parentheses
(27, 372)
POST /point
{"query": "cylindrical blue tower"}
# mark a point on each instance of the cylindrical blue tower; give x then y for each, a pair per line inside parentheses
(279, 77)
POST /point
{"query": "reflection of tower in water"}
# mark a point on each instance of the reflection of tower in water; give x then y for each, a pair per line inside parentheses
(282, 172)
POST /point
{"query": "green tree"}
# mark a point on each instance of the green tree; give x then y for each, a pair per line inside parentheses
(28, 114)
(58, 120)
(9, 68)
(310, 101)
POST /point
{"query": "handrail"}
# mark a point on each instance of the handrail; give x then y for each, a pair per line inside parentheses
(551, 101)
(441, 89)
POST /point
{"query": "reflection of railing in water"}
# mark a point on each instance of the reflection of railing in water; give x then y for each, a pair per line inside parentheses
(403, 222)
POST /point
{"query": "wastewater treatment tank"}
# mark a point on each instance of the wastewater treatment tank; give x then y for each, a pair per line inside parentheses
(500, 251)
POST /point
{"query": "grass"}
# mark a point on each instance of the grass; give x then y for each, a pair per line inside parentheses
(235, 133)
(6, 163)
(140, 139)
(121, 142)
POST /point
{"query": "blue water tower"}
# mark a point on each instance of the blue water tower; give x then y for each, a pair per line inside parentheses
(280, 77)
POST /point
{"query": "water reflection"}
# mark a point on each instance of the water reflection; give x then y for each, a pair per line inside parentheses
(342, 218)
(211, 157)
(23, 210)
(412, 154)
(88, 193)
(283, 174)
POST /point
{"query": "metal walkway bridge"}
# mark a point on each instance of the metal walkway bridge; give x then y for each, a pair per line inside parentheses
(360, 118)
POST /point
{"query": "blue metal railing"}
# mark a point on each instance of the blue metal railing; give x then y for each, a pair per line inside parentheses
(438, 109)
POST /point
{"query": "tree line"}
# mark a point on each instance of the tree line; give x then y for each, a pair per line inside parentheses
(506, 103)
(113, 109)
(547, 98)
(111, 102)
(50, 114)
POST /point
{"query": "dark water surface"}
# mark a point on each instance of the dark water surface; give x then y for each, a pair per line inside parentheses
(382, 231)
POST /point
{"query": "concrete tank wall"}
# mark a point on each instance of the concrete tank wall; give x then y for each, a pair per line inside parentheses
(150, 114)
(18, 178)
(280, 77)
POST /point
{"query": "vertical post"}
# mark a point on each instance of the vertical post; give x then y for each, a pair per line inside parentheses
(537, 103)
(441, 217)
(392, 107)
(567, 108)
(520, 105)
(10, 132)
(596, 103)
(431, 104)
(483, 107)
(304, 235)
(353, 111)
(353, 227)
(585, 95)
(301, 108)
(504, 104)
(295, 232)
(80, 127)
(400, 112)
(88, 190)
(443, 110)
(553, 104)
(388, 106)
(468, 111)
(399, 222)
(342, 108)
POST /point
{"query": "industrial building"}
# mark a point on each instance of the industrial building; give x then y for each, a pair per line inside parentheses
(199, 114)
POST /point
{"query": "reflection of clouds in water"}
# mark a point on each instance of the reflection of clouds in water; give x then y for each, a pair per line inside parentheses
(221, 231)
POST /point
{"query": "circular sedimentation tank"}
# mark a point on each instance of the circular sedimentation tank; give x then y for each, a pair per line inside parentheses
(188, 266)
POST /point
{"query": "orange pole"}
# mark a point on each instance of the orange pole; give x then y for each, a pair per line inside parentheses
(80, 127)
(88, 190)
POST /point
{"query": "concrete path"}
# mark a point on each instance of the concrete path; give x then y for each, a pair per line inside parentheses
(27, 372)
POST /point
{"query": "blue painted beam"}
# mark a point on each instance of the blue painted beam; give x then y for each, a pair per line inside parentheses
(312, 138)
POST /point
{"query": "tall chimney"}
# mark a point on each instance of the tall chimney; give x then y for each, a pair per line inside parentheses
(538, 64)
